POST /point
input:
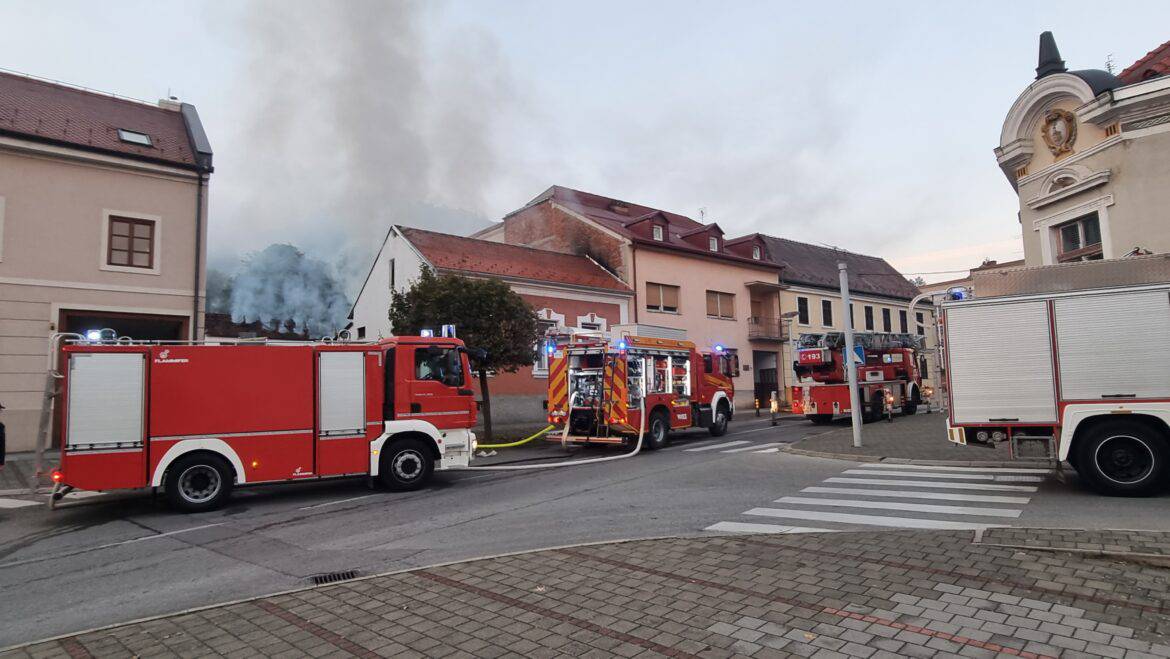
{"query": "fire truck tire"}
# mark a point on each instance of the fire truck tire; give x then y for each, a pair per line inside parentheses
(407, 464)
(820, 419)
(658, 433)
(198, 482)
(1123, 458)
(718, 427)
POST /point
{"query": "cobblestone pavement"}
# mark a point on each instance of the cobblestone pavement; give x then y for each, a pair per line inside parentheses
(822, 595)
(919, 437)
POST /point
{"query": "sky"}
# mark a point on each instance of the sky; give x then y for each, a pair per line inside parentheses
(866, 126)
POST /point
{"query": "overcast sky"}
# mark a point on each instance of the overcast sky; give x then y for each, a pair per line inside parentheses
(868, 126)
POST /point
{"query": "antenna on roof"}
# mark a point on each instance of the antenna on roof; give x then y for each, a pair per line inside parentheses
(1109, 62)
(703, 214)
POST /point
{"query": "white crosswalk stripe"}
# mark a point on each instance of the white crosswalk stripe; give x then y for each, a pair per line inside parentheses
(876, 496)
(715, 446)
(754, 447)
(18, 503)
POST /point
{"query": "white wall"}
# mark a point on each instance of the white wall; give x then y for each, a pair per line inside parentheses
(373, 303)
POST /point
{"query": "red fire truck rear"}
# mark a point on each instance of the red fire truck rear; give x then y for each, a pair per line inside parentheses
(613, 391)
(888, 376)
(196, 419)
(1081, 376)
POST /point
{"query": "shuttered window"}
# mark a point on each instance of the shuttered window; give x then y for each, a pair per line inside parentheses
(661, 297)
(720, 305)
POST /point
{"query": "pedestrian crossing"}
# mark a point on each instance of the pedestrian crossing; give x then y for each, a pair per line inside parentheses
(897, 496)
(737, 446)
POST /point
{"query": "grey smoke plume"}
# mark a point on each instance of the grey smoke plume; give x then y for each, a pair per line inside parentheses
(279, 284)
(360, 118)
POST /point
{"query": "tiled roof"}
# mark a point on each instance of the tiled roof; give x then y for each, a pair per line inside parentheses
(813, 265)
(65, 115)
(1154, 63)
(222, 325)
(618, 216)
(448, 252)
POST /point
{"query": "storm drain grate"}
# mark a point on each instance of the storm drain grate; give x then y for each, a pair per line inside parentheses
(333, 577)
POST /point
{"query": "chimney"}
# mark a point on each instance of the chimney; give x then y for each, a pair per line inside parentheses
(171, 104)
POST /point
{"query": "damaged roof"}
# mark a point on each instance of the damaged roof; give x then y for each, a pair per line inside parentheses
(59, 114)
(447, 252)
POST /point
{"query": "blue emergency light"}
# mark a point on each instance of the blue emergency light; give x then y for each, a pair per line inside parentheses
(719, 347)
(622, 345)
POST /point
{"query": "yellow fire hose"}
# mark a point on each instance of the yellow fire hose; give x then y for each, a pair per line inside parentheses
(517, 443)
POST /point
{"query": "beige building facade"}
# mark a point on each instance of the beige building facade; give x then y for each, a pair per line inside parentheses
(1086, 153)
(103, 219)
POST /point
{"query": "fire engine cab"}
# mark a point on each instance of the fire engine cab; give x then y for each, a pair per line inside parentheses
(614, 391)
(888, 375)
(198, 419)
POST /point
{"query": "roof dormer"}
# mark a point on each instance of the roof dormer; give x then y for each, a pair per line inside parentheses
(751, 246)
(655, 226)
(708, 237)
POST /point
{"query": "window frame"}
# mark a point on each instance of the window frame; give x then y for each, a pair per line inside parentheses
(712, 244)
(719, 296)
(868, 318)
(540, 364)
(108, 216)
(903, 321)
(658, 232)
(1085, 251)
(757, 253)
(803, 317)
(661, 307)
(887, 320)
(920, 321)
(826, 313)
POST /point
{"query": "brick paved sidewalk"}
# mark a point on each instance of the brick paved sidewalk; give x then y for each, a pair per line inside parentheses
(918, 437)
(824, 595)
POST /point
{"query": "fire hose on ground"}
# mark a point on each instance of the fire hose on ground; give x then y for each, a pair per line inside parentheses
(564, 439)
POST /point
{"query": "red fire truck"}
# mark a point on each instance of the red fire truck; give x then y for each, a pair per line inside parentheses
(613, 391)
(198, 419)
(888, 375)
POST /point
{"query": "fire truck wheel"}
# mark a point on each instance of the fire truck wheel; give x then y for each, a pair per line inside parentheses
(1123, 458)
(718, 427)
(658, 434)
(199, 482)
(820, 419)
(407, 465)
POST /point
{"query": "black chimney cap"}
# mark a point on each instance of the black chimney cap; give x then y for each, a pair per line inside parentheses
(1049, 61)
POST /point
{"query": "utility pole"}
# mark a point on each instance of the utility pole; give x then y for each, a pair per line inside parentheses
(850, 356)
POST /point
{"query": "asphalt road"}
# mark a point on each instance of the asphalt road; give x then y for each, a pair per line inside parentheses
(116, 558)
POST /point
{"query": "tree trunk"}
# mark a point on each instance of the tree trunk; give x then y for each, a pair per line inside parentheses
(485, 406)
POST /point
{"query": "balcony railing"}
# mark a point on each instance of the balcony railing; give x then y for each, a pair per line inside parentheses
(762, 328)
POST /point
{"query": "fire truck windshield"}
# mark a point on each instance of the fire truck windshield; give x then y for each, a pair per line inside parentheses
(440, 364)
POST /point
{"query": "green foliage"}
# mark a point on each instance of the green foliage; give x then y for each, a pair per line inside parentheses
(486, 313)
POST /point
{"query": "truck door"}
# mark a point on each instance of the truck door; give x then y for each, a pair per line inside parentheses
(341, 412)
(437, 388)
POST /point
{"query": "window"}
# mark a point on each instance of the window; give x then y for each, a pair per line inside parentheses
(720, 305)
(887, 326)
(802, 310)
(869, 318)
(921, 323)
(902, 324)
(134, 137)
(541, 361)
(852, 322)
(130, 243)
(391, 274)
(1080, 239)
(662, 297)
(827, 313)
(713, 244)
(756, 252)
(658, 232)
(361, 332)
(439, 364)
(592, 327)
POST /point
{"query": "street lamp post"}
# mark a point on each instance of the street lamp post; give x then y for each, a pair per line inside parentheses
(849, 356)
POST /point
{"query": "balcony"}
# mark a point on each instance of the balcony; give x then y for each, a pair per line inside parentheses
(762, 328)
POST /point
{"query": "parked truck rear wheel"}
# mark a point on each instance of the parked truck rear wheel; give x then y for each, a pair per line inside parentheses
(406, 465)
(1123, 458)
(718, 427)
(199, 482)
(658, 434)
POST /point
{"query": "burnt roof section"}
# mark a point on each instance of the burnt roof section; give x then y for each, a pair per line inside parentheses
(619, 216)
(816, 266)
(486, 257)
(222, 325)
(67, 116)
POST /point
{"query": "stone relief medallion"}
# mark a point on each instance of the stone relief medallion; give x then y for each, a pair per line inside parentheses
(1060, 131)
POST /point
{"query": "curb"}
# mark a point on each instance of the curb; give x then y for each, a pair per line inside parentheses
(790, 448)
